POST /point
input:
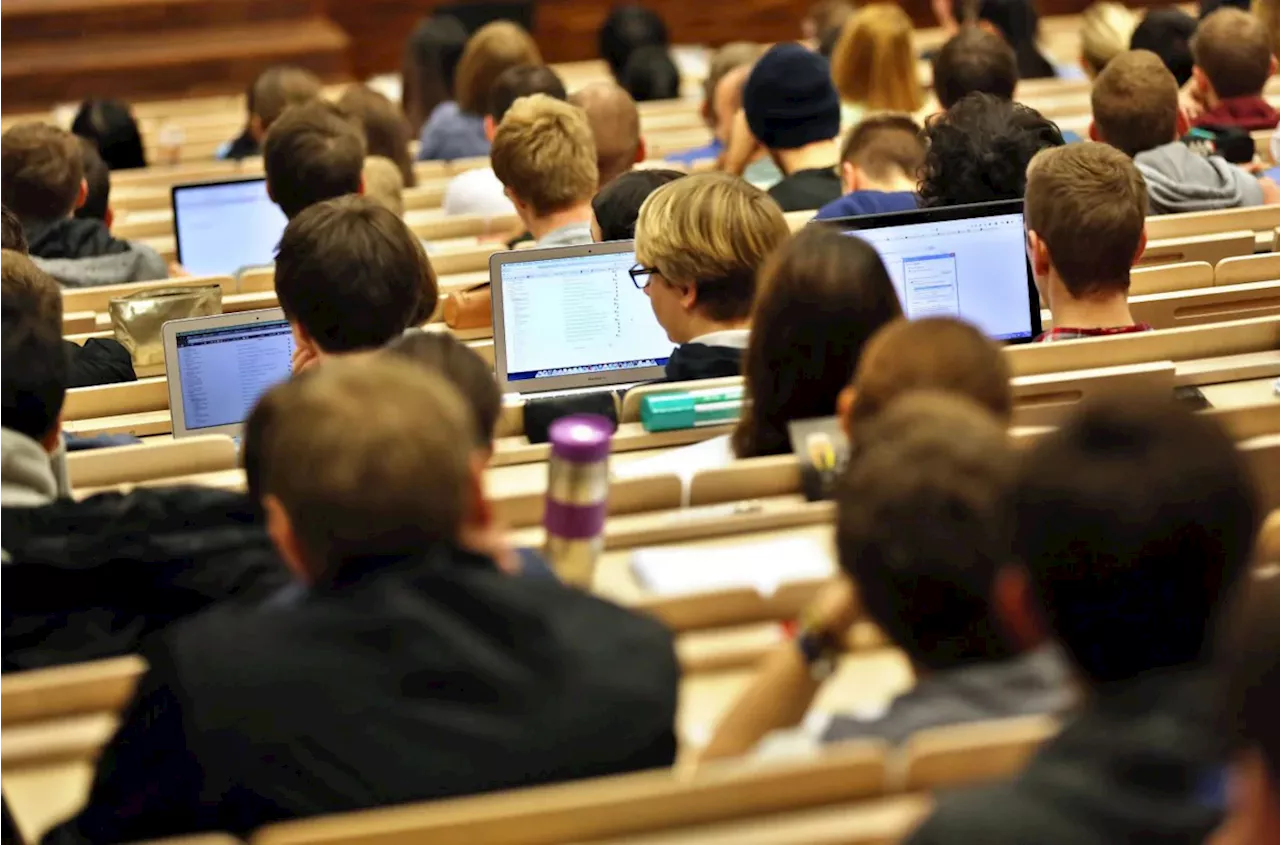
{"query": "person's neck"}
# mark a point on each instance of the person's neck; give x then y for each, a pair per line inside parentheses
(809, 157)
(540, 227)
(1100, 312)
(898, 184)
(699, 326)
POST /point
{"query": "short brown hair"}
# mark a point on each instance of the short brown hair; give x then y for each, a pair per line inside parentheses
(460, 365)
(314, 152)
(615, 125)
(41, 171)
(1233, 49)
(11, 234)
(363, 454)
(491, 50)
(1135, 103)
(40, 292)
(974, 60)
(36, 374)
(278, 88)
(1088, 203)
(352, 275)
(544, 153)
(936, 354)
(725, 59)
(713, 230)
(386, 132)
(883, 144)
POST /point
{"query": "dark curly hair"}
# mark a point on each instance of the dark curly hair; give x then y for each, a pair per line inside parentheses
(978, 151)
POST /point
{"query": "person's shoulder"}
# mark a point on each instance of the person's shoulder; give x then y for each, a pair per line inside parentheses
(859, 203)
(993, 814)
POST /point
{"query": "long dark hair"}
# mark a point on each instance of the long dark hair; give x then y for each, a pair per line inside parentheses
(1019, 24)
(821, 297)
(110, 125)
(430, 60)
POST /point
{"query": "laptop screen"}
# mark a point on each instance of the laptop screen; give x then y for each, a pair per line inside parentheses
(577, 315)
(972, 267)
(223, 227)
(224, 371)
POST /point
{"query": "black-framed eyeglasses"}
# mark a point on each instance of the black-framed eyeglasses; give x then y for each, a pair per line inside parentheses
(641, 275)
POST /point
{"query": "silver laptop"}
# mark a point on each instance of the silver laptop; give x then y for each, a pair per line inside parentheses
(222, 227)
(570, 319)
(218, 368)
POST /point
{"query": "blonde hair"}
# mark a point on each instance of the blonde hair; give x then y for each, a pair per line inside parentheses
(713, 230)
(1105, 31)
(545, 154)
(325, 458)
(874, 62)
(383, 183)
(493, 48)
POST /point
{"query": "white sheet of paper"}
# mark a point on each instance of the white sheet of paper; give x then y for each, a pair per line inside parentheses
(762, 566)
(683, 462)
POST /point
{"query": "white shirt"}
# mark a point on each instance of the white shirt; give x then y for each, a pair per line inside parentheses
(477, 192)
(727, 338)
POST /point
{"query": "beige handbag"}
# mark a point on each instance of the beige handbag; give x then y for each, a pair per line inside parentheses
(138, 317)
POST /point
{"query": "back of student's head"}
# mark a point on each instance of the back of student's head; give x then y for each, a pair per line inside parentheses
(460, 365)
(885, 146)
(615, 126)
(618, 203)
(34, 363)
(431, 56)
(40, 172)
(651, 74)
(383, 183)
(978, 151)
(940, 354)
(730, 57)
(11, 234)
(974, 60)
(1135, 103)
(1087, 204)
(110, 126)
(825, 16)
(874, 62)
(820, 297)
(713, 230)
(367, 459)
(522, 81)
(97, 198)
(351, 275)
(1106, 28)
(312, 153)
(490, 51)
(1019, 24)
(1134, 521)
(279, 87)
(1232, 50)
(922, 527)
(543, 153)
(1167, 32)
(789, 99)
(386, 132)
(626, 29)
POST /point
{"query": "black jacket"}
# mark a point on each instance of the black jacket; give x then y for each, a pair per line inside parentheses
(73, 237)
(691, 361)
(400, 681)
(1141, 763)
(100, 360)
(94, 578)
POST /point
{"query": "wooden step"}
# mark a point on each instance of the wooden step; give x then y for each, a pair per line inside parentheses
(181, 62)
(53, 20)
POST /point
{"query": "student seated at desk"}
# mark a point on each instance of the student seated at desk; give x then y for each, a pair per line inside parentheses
(95, 578)
(822, 295)
(313, 152)
(1134, 523)
(974, 60)
(43, 184)
(350, 276)
(616, 207)
(1233, 61)
(879, 167)
(699, 242)
(1085, 212)
(99, 360)
(922, 534)
(409, 667)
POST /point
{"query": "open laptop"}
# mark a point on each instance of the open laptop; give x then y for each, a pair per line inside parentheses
(223, 227)
(570, 319)
(218, 368)
(966, 261)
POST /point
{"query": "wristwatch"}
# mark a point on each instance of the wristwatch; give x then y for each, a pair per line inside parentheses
(819, 649)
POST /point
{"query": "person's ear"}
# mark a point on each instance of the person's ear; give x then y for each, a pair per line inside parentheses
(1094, 134)
(847, 398)
(1142, 246)
(1201, 80)
(848, 177)
(479, 512)
(1182, 124)
(285, 539)
(1015, 608)
(642, 151)
(82, 195)
(271, 196)
(256, 130)
(1272, 69)
(689, 296)
(1038, 253)
(490, 128)
(53, 436)
(109, 217)
(360, 190)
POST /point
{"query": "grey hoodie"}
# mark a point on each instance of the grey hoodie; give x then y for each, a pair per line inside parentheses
(140, 264)
(30, 476)
(1179, 180)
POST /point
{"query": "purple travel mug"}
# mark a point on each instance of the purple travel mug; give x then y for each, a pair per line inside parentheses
(577, 495)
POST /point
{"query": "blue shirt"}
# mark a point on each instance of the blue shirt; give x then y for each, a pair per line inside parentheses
(859, 203)
(687, 158)
(450, 133)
